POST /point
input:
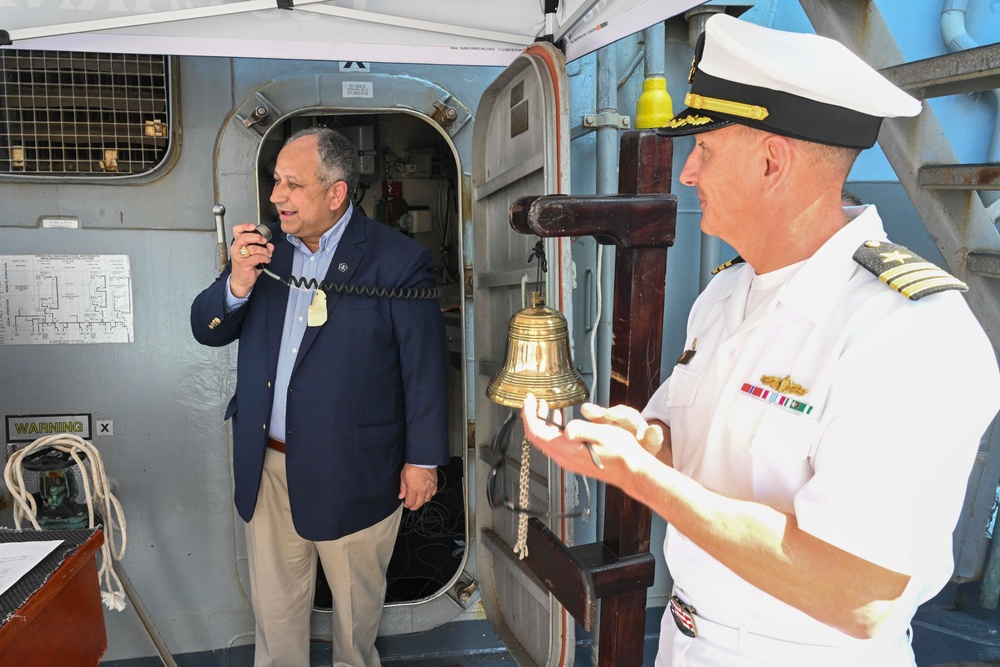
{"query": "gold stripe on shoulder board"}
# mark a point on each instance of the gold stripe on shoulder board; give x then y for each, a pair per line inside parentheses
(723, 267)
(924, 287)
(905, 271)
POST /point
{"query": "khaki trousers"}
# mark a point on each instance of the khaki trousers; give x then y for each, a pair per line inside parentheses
(283, 580)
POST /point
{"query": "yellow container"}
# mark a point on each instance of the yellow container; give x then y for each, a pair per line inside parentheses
(654, 107)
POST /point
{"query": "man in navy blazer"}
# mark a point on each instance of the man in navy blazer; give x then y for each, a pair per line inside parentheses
(340, 411)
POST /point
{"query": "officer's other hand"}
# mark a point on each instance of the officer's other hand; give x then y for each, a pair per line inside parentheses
(576, 446)
(650, 436)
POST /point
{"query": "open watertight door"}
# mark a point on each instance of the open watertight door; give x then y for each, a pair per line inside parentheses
(520, 147)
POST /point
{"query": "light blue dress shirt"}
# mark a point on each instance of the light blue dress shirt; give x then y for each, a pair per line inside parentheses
(308, 265)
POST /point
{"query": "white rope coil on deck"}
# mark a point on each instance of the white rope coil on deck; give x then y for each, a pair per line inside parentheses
(97, 491)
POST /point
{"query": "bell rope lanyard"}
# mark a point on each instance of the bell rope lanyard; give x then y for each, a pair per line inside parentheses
(524, 496)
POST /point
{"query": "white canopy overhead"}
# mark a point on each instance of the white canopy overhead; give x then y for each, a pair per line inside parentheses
(460, 32)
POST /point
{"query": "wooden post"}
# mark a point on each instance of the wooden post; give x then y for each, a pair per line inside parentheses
(637, 327)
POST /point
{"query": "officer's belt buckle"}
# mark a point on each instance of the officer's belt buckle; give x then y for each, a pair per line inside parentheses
(683, 614)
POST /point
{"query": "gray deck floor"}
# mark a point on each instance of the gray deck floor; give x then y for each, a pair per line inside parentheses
(951, 630)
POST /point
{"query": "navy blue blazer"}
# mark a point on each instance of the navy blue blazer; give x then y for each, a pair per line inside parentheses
(368, 389)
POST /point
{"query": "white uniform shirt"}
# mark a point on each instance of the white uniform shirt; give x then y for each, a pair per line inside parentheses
(873, 458)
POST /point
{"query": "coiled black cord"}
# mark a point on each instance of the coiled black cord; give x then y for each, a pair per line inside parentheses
(359, 290)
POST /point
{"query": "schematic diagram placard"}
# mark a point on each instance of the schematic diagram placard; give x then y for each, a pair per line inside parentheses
(65, 299)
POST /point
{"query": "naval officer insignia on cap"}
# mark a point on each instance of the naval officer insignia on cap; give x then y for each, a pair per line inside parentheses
(795, 84)
(905, 271)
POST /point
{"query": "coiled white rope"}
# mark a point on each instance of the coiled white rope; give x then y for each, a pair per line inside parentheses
(524, 497)
(97, 491)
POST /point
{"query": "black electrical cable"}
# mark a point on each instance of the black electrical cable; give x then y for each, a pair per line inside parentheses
(348, 288)
(359, 290)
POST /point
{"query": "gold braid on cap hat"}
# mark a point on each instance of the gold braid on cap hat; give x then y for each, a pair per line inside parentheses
(751, 111)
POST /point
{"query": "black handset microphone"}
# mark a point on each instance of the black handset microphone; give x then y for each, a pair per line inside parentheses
(264, 231)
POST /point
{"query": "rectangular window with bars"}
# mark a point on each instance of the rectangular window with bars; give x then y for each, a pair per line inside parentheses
(83, 114)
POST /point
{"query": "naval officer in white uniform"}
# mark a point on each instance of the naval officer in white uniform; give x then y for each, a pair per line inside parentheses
(811, 448)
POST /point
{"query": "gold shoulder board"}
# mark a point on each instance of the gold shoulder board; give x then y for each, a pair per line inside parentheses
(723, 267)
(905, 271)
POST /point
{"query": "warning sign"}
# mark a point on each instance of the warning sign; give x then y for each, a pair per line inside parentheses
(27, 428)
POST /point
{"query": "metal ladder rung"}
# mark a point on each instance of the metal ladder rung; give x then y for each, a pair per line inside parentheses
(983, 176)
(967, 71)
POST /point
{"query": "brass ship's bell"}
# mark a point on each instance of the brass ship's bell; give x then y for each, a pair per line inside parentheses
(538, 360)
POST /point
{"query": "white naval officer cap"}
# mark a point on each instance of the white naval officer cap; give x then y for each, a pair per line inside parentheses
(795, 84)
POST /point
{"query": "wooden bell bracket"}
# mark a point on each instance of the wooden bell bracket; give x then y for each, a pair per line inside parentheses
(641, 222)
